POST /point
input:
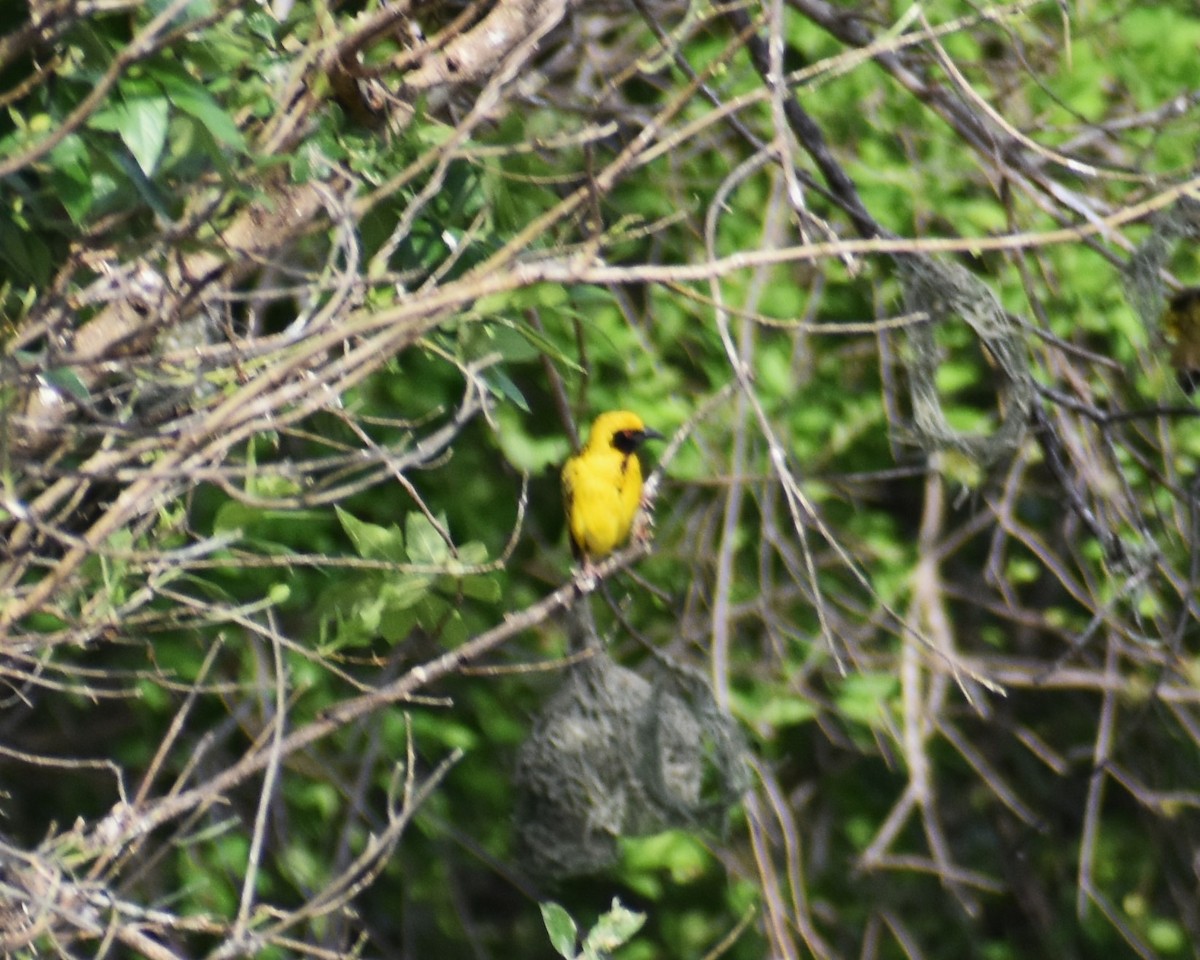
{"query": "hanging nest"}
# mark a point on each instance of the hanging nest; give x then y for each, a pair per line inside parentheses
(943, 291)
(1177, 319)
(616, 754)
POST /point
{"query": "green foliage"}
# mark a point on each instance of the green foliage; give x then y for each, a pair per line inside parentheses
(612, 930)
(285, 526)
(391, 606)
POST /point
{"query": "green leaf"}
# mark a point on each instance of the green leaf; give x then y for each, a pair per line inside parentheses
(528, 453)
(612, 930)
(404, 592)
(369, 616)
(487, 589)
(142, 126)
(864, 697)
(25, 252)
(561, 928)
(397, 625)
(472, 553)
(233, 517)
(189, 97)
(480, 339)
(678, 852)
(542, 345)
(503, 386)
(787, 711)
(767, 714)
(425, 544)
(454, 631)
(371, 541)
(154, 198)
(194, 10)
(209, 588)
(71, 176)
(433, 612)
(68, 380)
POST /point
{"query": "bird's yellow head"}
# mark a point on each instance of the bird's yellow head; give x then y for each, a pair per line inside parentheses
(621, 429)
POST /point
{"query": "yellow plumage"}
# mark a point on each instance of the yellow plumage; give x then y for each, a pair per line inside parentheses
(602, 484)
(1181, 323)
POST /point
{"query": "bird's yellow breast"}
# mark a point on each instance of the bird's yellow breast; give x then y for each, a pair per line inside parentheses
(603, 489)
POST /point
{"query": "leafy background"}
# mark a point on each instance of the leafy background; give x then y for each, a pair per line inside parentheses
(304, 303)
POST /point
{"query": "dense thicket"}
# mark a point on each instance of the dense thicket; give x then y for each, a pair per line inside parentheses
(304, 303)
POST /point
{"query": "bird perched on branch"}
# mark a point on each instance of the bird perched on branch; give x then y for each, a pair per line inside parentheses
(602, 485)
(1181, 323)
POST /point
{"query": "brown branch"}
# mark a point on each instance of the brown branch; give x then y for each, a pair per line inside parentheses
(476, 54)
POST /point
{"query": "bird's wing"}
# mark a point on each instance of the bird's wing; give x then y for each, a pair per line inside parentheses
(568, 483)
(569, 475)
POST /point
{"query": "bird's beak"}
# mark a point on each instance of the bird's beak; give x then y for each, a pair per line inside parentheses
(649, 434)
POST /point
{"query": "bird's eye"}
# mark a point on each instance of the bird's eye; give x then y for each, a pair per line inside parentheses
(626, 440)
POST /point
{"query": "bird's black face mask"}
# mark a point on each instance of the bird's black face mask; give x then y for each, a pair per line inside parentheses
(627, 441)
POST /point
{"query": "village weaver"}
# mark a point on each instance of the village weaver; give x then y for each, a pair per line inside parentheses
(602, 485)
(1181, 323)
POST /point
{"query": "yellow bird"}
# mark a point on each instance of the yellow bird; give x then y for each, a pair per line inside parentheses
(1181, 323)
(602, 484)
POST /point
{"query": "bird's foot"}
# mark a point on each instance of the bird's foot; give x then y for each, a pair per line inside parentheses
(585, 575)
(643, 525)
